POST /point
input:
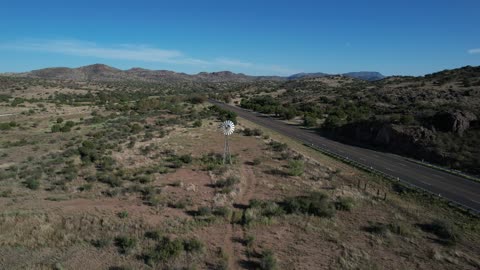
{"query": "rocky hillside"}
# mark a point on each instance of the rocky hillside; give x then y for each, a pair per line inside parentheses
(100, 72)
(362, 75)
(433, 117)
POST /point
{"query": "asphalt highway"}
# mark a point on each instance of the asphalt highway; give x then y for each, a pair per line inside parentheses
(452, 187)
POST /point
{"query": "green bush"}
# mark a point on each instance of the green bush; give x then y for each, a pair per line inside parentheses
(32, 183)
(296, 167)
(101, 243)
(256, 161)
(125, 244)
(268, 260)
(155, 235)
(252, 132)
(316, 203)
(309, 121)
(197, 123)
(223, 211)
(123, 214)
(278, 147)
(187, 158)
(56, 128)
(192, 245)
(444, 230)
(112, 180)
(164, 251)
(8, 126)
(228, 182)
(204, 211)
(345, 204)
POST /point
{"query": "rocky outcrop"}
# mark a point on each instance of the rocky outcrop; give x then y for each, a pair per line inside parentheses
(455, 121)
(416, 141)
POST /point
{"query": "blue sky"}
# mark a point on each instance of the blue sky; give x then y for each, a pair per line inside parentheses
(253, 37)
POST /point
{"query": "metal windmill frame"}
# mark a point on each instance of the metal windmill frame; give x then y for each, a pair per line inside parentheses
(227, 128)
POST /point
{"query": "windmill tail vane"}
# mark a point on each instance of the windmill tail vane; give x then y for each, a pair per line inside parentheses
(227, 129)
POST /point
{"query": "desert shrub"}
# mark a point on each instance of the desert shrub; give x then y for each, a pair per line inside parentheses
(204, 211)
(123, 214)
(296, 167)
(59, 120)
(187, 158)
(400, 228)
(345, 204)
(252, 132)
(32, 183)
(155, 235)
(56, 128)
(444, 230)
(86, 187)
(120, 268)
(223, 211)
(211, 161)
(316, 203)
(223, 114)
(249, 240)
(268, 260)
(8, 126)
(192, 245)
(309, 121)
(228, 182)
(125, 244)
(144, 179)
(332, 121)
(110, 179)
(261, 211)
(175, 164)
(383, 229)
(197, 99)
(256, 161)
(278, 147)
(197, 123)
(101, 243)
(164, 251)
(181, 204)
(407, 119)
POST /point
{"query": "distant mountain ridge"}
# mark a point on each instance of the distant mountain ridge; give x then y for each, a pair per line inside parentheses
(101, 72)
(362, 75)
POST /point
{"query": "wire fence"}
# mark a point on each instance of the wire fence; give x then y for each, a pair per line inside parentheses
(395, 179)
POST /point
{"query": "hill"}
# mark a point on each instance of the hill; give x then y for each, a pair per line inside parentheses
(101, 72)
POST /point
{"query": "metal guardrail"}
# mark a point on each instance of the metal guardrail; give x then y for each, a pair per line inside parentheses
(391, 178)
(443, 169)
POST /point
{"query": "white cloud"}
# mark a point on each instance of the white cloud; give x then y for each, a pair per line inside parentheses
(133, 52)
(474, 51)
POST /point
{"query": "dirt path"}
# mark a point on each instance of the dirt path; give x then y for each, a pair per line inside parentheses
(235, 234)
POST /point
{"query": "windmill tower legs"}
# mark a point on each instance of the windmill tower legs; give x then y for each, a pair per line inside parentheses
(226, 153)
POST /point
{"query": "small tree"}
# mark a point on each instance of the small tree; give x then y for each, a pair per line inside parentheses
(309, 121)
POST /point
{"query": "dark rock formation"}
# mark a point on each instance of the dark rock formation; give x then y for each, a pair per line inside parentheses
(415, 141)
(455, 121)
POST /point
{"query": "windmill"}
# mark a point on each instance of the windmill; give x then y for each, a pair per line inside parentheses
(227, 129)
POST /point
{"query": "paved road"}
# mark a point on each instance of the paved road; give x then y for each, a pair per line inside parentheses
(452, 187)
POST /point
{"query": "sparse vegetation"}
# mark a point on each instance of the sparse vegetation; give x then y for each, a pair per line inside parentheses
(135, 168)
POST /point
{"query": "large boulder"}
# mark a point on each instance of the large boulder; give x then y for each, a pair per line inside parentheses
(454, 121)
